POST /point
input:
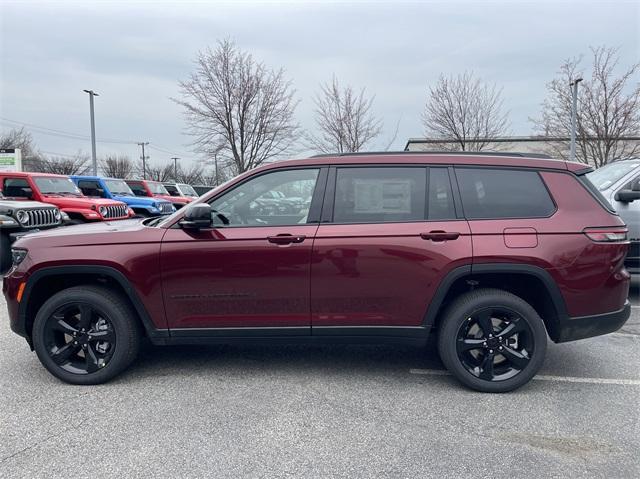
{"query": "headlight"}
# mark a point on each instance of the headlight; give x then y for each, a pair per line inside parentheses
(57, 215)
(18, 255)
(103, 211)
(22, 217)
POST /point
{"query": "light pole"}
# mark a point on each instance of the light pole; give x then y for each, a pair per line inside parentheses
(574, 114)
(94, 161)
(175, 167)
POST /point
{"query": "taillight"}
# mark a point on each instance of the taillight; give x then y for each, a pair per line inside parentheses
(606, 235)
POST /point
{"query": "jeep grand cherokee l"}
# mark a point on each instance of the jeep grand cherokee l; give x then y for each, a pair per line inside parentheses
(493, 253)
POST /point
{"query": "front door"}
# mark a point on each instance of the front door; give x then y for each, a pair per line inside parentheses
(251, 272)
(388, 236)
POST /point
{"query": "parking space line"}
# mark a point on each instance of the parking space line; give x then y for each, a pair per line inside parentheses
(566, 379)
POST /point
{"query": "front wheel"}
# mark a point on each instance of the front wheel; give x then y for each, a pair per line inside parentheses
(86, 335)
(492, 340)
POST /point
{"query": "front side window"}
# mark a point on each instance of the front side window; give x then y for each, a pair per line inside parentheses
(379, 194)
(278, 198)
(138, 189)
(91, 188)
(493, 193)
(16, 188)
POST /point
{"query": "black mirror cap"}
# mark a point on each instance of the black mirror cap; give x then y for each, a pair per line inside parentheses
(627, 196)
(197, 216)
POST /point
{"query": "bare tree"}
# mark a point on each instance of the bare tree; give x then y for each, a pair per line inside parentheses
(234, 101)
(191, 176)
(608, 110)
(344, 119)
(68, 165)
(21, 138)
(117, 166)
(464, 109)
(155, 172)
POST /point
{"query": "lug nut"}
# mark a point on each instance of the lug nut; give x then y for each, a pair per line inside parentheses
(484, 344)
(75, 342)
(500, 348)
(491, 351)
(491, 335)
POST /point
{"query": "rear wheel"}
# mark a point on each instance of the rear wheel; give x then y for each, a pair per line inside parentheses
(492, 340)
(86, 335)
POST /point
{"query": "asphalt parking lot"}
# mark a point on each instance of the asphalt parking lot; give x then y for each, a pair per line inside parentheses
(323, 411)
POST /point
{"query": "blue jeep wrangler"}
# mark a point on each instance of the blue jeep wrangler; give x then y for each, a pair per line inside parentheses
(117, 189)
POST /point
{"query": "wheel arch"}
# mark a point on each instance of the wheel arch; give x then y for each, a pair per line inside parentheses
(532, 283)
(45, 282)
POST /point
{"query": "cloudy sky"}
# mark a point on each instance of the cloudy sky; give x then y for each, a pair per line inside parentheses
(134, 53)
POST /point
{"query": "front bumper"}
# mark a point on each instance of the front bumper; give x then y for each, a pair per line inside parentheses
(583, 327)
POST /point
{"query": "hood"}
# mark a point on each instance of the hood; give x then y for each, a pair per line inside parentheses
(139, 200)
(92, 234)
(23, 205)
(174, 199)
(81, 202)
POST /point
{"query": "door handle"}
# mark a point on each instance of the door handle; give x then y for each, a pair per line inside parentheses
(440, 235)
(286, 239)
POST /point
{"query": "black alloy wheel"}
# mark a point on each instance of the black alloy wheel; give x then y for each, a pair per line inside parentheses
(495, 344)
(86, 334)
(492, 340)
(79, 338)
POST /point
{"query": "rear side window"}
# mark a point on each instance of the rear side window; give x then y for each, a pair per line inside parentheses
(494, 193)
(440, 202)
(383, 194)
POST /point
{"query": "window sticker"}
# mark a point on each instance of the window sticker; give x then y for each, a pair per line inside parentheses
(382, 196)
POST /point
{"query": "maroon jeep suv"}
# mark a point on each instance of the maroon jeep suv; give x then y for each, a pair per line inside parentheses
(492, 252)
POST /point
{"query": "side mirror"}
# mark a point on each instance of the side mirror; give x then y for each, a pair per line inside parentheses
(627, 196)
(197, 216)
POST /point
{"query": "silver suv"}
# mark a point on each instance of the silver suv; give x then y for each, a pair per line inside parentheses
(619, 183)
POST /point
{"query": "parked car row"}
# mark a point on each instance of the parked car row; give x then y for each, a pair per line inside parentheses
(34, 201)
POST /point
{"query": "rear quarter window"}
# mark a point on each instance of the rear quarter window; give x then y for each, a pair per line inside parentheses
(489, 193)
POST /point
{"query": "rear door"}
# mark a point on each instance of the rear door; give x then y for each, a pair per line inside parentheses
(388, 236)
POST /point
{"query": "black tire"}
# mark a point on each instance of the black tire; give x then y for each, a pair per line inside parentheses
(498, 362)
(119, 322)
(5, 252)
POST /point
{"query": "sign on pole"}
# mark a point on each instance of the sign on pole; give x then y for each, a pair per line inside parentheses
(10, 159)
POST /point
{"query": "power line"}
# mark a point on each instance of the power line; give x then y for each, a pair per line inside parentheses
(61, 133)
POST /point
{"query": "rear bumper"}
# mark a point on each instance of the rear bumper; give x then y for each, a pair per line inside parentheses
(583, 327)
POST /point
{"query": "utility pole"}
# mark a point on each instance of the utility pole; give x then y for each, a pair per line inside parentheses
(144, 159)
(94, 161)
(574, 115)
(175, 167)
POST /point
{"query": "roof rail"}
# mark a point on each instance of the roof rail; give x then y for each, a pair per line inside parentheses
(457, 153)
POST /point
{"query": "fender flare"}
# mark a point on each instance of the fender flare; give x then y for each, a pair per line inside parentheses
(495, 268)
(152, 331)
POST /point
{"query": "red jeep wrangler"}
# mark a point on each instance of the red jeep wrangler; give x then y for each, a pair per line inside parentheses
(60, 191)
(493, 253)
(155, 189)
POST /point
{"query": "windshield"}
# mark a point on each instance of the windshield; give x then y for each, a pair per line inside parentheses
(118, 187)
(157, 188)
(610, 174)
(187, 189)
(56, 186)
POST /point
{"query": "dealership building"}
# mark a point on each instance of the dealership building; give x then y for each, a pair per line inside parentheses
(520, 144)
